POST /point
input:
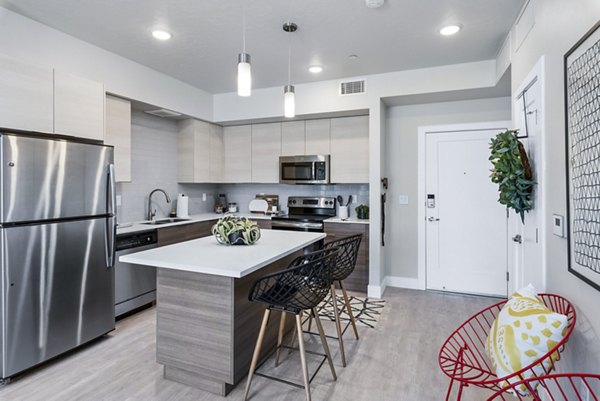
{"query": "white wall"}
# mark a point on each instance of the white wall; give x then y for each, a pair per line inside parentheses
(30, 41)
(402, 124)
(558, 26)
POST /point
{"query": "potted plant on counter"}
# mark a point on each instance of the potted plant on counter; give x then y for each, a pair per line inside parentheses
(362, 212)
(233, 230)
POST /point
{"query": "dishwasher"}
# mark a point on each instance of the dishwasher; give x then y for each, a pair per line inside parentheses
(135, 286)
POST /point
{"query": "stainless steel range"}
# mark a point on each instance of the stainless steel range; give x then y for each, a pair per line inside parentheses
(305, 214)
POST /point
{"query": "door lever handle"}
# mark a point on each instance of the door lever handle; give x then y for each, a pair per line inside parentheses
(433, 219)
(518, 238)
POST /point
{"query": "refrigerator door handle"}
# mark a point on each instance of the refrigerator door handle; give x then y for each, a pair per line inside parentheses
(111, 220)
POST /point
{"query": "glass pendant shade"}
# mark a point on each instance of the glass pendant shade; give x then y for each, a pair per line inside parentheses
(244, 77)
(289, 102)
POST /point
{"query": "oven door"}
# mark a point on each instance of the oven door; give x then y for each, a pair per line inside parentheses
(307, 226)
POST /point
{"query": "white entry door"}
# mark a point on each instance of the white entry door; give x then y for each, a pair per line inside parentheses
(466, 227)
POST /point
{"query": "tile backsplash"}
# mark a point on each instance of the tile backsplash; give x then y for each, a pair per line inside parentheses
(154, 165)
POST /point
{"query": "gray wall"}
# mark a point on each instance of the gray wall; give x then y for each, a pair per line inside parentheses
(154, 165)
(402, 124)
(558, 26)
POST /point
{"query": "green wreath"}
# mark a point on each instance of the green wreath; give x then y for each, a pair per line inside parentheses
(512, 172)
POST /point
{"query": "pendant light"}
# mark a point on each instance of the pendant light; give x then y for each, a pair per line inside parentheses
(244, 75)
(289, 101)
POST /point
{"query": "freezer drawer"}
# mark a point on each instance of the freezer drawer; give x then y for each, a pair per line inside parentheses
(52, 179)
(57, 291)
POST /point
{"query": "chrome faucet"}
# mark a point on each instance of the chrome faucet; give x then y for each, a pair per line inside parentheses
(152, 213)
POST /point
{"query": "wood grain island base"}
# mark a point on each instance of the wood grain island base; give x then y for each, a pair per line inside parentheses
(206, 327)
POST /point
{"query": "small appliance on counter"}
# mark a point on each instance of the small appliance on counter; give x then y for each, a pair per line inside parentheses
(232, 207)
(221, 204)
(272, 203)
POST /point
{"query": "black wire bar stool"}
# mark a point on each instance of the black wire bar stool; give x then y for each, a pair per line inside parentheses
(301, 287)
(344, 266)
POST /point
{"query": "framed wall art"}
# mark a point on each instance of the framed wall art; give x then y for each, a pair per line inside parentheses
(582, 114)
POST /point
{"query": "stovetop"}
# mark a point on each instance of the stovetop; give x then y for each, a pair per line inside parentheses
(300, 217)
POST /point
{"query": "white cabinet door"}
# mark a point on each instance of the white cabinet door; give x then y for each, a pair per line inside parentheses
(317, 137)
(266, 148)
(350, 149)
(292, 138)
(118, 134)
(217, 153)
(78, 106)
(26, 96)
(238, 153)
(193, 151)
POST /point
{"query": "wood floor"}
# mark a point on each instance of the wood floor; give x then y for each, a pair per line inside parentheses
(396, 361)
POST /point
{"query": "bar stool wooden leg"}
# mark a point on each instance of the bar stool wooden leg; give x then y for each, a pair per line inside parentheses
(303, 356)
(338, 324)
(280, 337)
(256, 355)
(294, 336)
(324, 342)
(349, 308)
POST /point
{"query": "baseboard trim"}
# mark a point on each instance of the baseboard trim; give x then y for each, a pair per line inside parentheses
(403, 282)
(376, 291)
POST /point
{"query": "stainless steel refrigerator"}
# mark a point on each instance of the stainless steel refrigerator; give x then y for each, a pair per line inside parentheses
(57, 233)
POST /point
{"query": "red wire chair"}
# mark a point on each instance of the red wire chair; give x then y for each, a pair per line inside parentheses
(557, 387)
(464, 360)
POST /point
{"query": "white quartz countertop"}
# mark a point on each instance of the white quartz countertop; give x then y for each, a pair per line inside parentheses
(351, 220)
(205, 255)
(138, 226)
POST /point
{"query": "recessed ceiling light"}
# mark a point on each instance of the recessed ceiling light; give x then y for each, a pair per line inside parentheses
(315, 69)
(161, 35)
(353, 57)
(450, 30)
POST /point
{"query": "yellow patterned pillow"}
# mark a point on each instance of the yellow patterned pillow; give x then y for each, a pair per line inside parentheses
(524, 331)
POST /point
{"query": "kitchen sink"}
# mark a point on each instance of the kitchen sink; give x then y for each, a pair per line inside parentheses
(165, 221)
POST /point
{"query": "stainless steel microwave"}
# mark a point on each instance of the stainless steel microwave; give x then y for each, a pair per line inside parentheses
(312, 169)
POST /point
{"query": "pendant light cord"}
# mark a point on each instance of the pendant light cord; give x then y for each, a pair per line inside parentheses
(244, 27)
(290, 57)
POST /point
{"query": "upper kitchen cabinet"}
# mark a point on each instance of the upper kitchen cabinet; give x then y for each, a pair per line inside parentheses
(26, 96)
(350, 149)
(201, 151)
(292, 138)
(317, 137)
(266, 148)
(78, 106)
(118, 134)
(238, 153)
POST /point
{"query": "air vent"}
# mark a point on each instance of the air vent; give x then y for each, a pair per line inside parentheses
(352, 87)
(164, 113)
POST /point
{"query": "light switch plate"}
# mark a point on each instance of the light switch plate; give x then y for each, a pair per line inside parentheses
(403, 199)
(558, 225)
(118, 197)
(204, 197)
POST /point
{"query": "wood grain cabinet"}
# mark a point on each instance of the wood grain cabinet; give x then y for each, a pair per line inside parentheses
(118, 134)
(26, 96)
(292, 138)
(184, 232)
(318, 140)
(350, 150)
(200, 151)
(238, 154)
(78, 106)
(266, 148)
(359, 279)
(263, 223)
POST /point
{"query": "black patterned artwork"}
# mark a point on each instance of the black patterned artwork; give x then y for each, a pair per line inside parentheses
(582, 94)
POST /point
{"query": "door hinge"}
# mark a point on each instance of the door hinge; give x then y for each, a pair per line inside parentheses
(507, 276)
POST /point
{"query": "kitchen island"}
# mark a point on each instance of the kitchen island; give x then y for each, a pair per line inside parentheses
(206, 327)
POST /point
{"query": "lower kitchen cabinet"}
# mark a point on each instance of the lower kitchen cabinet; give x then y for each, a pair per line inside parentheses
(263, 223)
(184, 232)
(359, 279)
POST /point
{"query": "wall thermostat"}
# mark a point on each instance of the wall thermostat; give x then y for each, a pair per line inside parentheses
(558, 226)
(430, 201)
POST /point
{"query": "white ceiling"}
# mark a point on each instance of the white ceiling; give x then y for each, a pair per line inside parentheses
(207, 35)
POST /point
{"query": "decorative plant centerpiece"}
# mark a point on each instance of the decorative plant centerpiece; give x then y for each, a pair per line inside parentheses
(362, 212)
(233, 230)
(512, 172)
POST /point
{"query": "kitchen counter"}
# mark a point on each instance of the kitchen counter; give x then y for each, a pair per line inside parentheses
(205, 325)
(206, 255)
(139, 226)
